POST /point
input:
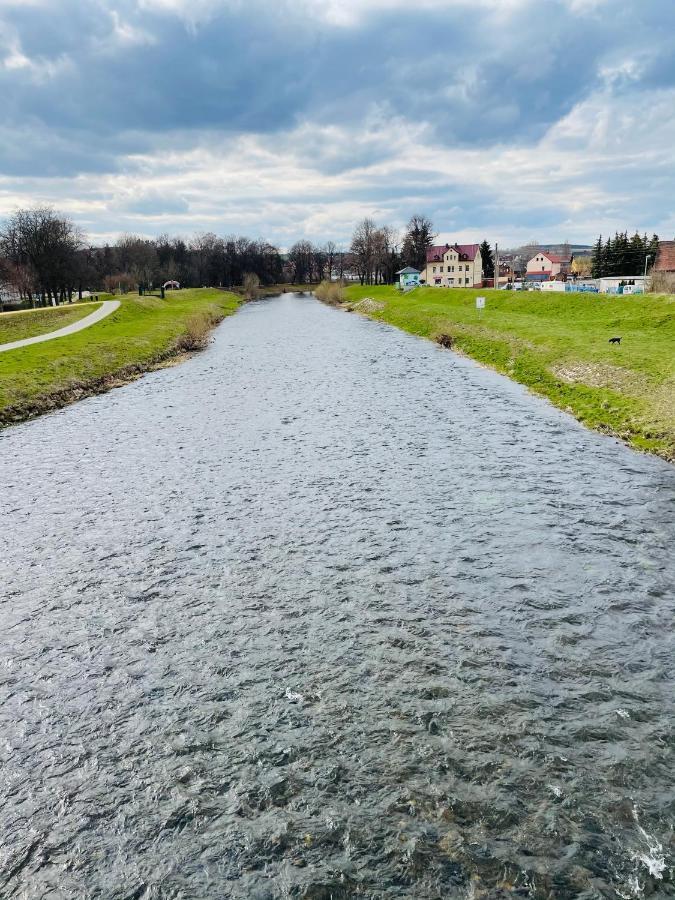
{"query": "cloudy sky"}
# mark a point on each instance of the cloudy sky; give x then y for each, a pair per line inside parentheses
(505, 119)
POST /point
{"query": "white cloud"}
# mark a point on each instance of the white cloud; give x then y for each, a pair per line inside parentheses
(127, 34)
(38, 69)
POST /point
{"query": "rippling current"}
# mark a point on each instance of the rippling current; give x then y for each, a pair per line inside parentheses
(327, 612)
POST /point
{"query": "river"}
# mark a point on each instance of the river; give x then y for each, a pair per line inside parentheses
(327, 611)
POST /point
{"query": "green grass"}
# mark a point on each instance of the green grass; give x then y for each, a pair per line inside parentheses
(15, 326)
(138, 336)
(557, 345)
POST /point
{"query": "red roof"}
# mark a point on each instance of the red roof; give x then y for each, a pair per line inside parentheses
(554, 257)
(468, 250)
(665, 260)
(435, 254)
(465, 251)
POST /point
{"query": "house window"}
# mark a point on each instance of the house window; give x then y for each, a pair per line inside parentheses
(466, 268)
(543, 269)
(466, 281)
(434, 269)
(451, 280)
(437, 280)
(440, 268)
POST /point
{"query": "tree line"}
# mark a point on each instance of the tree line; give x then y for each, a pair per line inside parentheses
(46, 259)
(622, 255)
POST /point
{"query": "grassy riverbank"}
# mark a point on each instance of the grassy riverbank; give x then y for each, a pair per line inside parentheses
(557, 345)
(15, 326)
(142, 334)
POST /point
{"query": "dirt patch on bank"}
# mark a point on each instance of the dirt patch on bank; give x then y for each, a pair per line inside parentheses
(368, 305)
(595, 374)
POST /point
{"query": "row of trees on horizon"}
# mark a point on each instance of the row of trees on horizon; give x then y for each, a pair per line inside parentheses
(45, 258)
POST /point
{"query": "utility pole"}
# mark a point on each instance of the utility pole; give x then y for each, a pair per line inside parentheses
(496, 278)
(647, 258)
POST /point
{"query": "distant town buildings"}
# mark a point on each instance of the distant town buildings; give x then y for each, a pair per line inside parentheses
(454, 265)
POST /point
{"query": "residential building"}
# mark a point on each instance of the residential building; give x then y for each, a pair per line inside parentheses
(546, 266)
(454, 265)
(665, 258)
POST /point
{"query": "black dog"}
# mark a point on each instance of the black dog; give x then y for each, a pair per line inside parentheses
(615, 340)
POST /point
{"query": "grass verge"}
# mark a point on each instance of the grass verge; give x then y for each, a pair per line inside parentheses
(139, 336)
(28, 323)
(557, 345)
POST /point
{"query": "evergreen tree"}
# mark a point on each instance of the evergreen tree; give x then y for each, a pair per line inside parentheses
(621, 255)
(653, 250)
(636, 256)
(418, 237)
(607, 258)
(488, 260)
(597, 259)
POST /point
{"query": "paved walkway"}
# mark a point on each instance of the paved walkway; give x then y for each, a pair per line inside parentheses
(107, 307)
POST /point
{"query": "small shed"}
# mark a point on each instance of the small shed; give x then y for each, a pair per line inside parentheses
(408, 278)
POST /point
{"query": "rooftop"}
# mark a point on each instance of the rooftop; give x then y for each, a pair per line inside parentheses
(553, 257)
(465, 251)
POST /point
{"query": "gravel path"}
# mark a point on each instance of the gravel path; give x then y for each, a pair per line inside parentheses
(107, 307)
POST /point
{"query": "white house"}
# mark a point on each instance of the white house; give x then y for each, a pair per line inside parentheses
(546, 266)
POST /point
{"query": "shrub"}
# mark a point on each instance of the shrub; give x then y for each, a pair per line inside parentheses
(197, 329)
(662, 283)
(121, 282)
(251, 284)
(332, 292)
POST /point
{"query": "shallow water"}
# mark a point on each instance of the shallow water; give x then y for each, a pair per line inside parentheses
(327, 611)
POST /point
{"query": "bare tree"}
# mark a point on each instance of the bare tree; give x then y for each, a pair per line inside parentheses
(387, 257)
(137, 257)
(331, 252)
(363, 250)
(319, 264)
(530, 249)
(300, 258)
(19, 278)
(251, 284)
(45, 247)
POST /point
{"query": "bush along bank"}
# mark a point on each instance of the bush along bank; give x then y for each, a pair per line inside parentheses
(558, 345)
(143, 334)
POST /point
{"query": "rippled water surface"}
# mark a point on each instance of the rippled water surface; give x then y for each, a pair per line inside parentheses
(330, 612)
